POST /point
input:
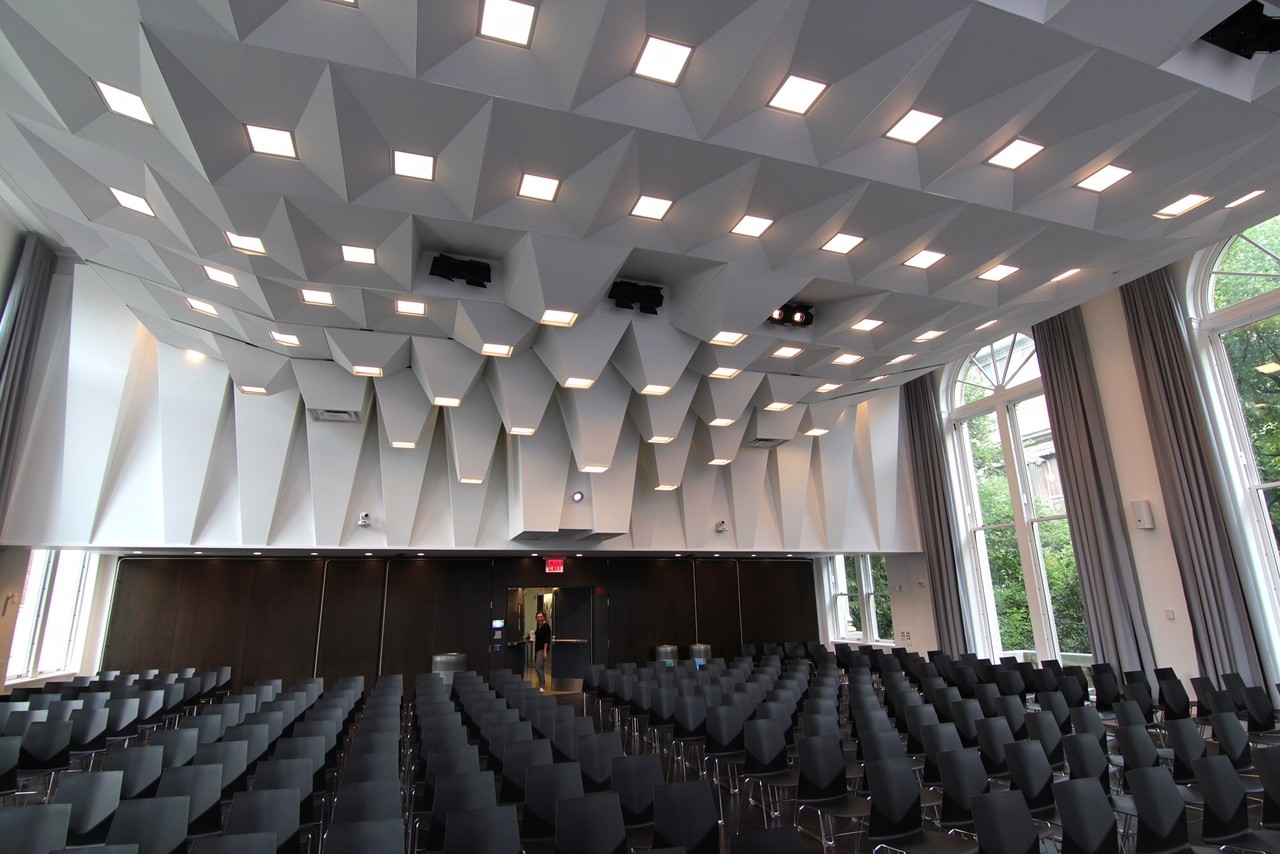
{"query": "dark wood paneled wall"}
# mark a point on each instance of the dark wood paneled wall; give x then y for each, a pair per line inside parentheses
(290, 618)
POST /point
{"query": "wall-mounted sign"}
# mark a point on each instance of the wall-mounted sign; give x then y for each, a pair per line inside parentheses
(555, 564)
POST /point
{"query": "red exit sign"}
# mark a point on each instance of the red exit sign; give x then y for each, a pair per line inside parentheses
(555, 564)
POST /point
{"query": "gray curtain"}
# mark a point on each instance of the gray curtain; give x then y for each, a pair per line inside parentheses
(933, 502)
(1219, 617)
(19, 328)
(1099, 532)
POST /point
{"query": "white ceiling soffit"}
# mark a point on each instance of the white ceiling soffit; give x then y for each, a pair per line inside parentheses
(157, 202)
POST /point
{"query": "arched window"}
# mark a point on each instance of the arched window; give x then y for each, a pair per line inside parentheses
(1017, 540)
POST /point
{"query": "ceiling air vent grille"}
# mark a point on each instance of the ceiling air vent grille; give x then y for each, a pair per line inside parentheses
(341, 415)
(764, 443)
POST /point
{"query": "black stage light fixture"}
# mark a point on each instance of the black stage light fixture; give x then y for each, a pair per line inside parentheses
(646, 299)
(1247, 31)
(792, 314)
(474, 273)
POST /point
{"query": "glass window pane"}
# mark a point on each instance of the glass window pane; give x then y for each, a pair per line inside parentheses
(1253, 353)
(25, 627)
(987, 455)
(63, 614)
(1059, 561)
(1271, 497)
(1039, 457)
(879, 574)
(1009, 590)
(884, 617)
(1257, 250)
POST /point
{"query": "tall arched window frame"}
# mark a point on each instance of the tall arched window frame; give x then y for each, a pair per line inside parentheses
(1017, 551)
(1233, 296)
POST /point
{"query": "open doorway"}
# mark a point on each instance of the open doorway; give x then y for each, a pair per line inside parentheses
(568, 611)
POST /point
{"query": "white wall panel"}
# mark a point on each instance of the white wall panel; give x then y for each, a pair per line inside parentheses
(131, 510)
(265, 427)
(193, 394)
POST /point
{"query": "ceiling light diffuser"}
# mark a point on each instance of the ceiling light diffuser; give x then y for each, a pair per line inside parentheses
(929, 336)
(998, 273)
(1245, 198)
(252, 389)
(593, 469)
(719, 461)
(660, 440)
(556, 317)
(787, 352)
(778, 406)
(666, 487)
(983, 326)
(924, 259)
(913, 126)
(245, 243)
(728, 339)
(499, 350)
(538, 187)
(358, 254)
(866, 324)
(405, 446)
(222, 277)
(410, 165)
(817, 431)
(507, 20)
(877, 379)
(721, 422)
(651, 207)
(446, 401)
(471, 480)
(311, 297)
(124, 103)
(132, 202)
(725, 373)
(797, 94)
(898, 360)
(366, 370)
(285, 339)
(579, 382)
(1183, 205)
(413, 308)
(1104, 178)
(202, 306)
(826, 387)
(842, 243)
(662, 60)
(1015, 154)
(752, 226)
(271, 141)
(1065, 274)
(846, 359)
(522, 431)
(655, 390)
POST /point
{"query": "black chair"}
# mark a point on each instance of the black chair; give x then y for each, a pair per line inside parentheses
(10, 748)
(1226, 808)
(141, 767)
(361, 837)
(895, 819)
(458, 793)
(771, 840)
(1087, 820)
(1042, 728)
(765, 763)
(684, 815)
(370, 800)
(937, 739)
(202, 786)
(155, 825)
(179, 745)
(993, 737)
(232, 757)
(94, 799)
(822, 786)
(595, 754)
(36, 829)
(520, 757)
(267, 810)
(963, 777)
(546, 785)
(494, 830)
(634, 779)
(1031, 775)
(1162, 815)
(293, 774)
(1004, 824)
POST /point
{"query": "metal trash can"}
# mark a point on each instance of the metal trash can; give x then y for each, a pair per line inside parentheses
(700, 653)
(447, 664)
(666, 655)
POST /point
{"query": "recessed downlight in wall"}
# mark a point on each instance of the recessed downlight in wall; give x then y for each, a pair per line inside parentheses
(577, 497)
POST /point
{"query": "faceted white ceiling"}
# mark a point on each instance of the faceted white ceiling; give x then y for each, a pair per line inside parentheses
(1094, 83)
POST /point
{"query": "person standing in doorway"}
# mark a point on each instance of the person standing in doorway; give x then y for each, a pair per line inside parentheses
(541, 649)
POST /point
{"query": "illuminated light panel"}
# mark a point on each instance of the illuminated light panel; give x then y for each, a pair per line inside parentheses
(842, 243)
(877, 379)
(866, 324)
(1015, 154)
(499, 350)
(655, 390)
(507, 21)
(413, 308)
(666, 487)
(1268, 368)
(728, 339)
(986, 325)
(522, 431)
(726, 373)
(593, 469)
(446, 401)
(557, 317)
(898, 360)
(579, 382)
(651, 207)
(404, 446)
(1104, 178)
(271, 141)
(132, 202)
(195, 357)
(924, 259)
(1065, 274)
(998, 273)
(358, 254)
(660, 440)
(928, 336)
(846, 359)
(719, 461)
(826, 387)
(471, 480)
(285, 339)
(817, 431)
(202, 306)
(1247, 197)
(311, 297)
(752, 226)
(913, 127)
(366, 370)
(222, 277)
(538, 187)
(721, 422)
(797, 94)
(1187, 203)
(245, 243)
(124, 103)
(252, 389)
(410, 165)
(778, 406)
(662, 60)
(787, 352)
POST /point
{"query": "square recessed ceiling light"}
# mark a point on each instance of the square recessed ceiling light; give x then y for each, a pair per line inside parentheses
(797, 94)
(913, 126)
(507, 20)
(522, 431)
(728, 339)
(1245, 198)
(311, 297)
(666, 487)
(411, 307)
(866, 324)
(924, 259)
(406, 446)
(245, 243)
(222, 277)
(499, 350)
(787, 352)
(1104, 178)
(593, 469)
(358, 254)
(556, 317)
(1182, 205)
(124, 103)
(660, 440)
(1015, 154)
(366, 370)
(826, 387)
(846, 359)
(721, 422)
(651, 207)
(898, 360)
(662, 60)
(817, 431)
(202, 306)
(285, 339)
(752, 226)
(778, 406)
(842, 243)
(726, 373)
(410, 165)
(1065, 274)
(446, 401)
(271, 141)
(998, 273)
(252, 389)
(470, 480)
(655, 389)
(579, 382)
(538, 187)
(928, 336)
(132, 202)
(719, 461)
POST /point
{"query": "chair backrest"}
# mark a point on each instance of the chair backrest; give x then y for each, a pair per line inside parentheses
(373, 800)
(684, 815)
(1268, 765)
(1087, 820)
(37, 829)
(1031, 774)
(141, 767)
(155, 825)
(1086, 758)
(1184, 737)
(1003, 824)
(591, 824)
(94, 799)
(232, 756)
(993, 736)
(634, 779)
(1233, 741)
(765, 745)
(771, 840)
(545, 785)
(596, 753)
(1086, 719)
(273, 810)
(46, 745)
(458, 793)
(1137, 749)
(895, 800)
(963, 776)
(1162, 816)
(202, 785)
(494, 830)
(937, 739)
(360, 837)
(520, 757)
(1226, 805)
(1042, 728)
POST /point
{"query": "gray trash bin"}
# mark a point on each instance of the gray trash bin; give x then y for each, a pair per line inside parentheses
(447, 664)
(665, 655)
(700, 653)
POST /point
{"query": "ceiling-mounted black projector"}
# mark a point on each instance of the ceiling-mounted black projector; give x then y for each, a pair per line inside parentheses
(1247, 31)
(474, 273)
(646, 299)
